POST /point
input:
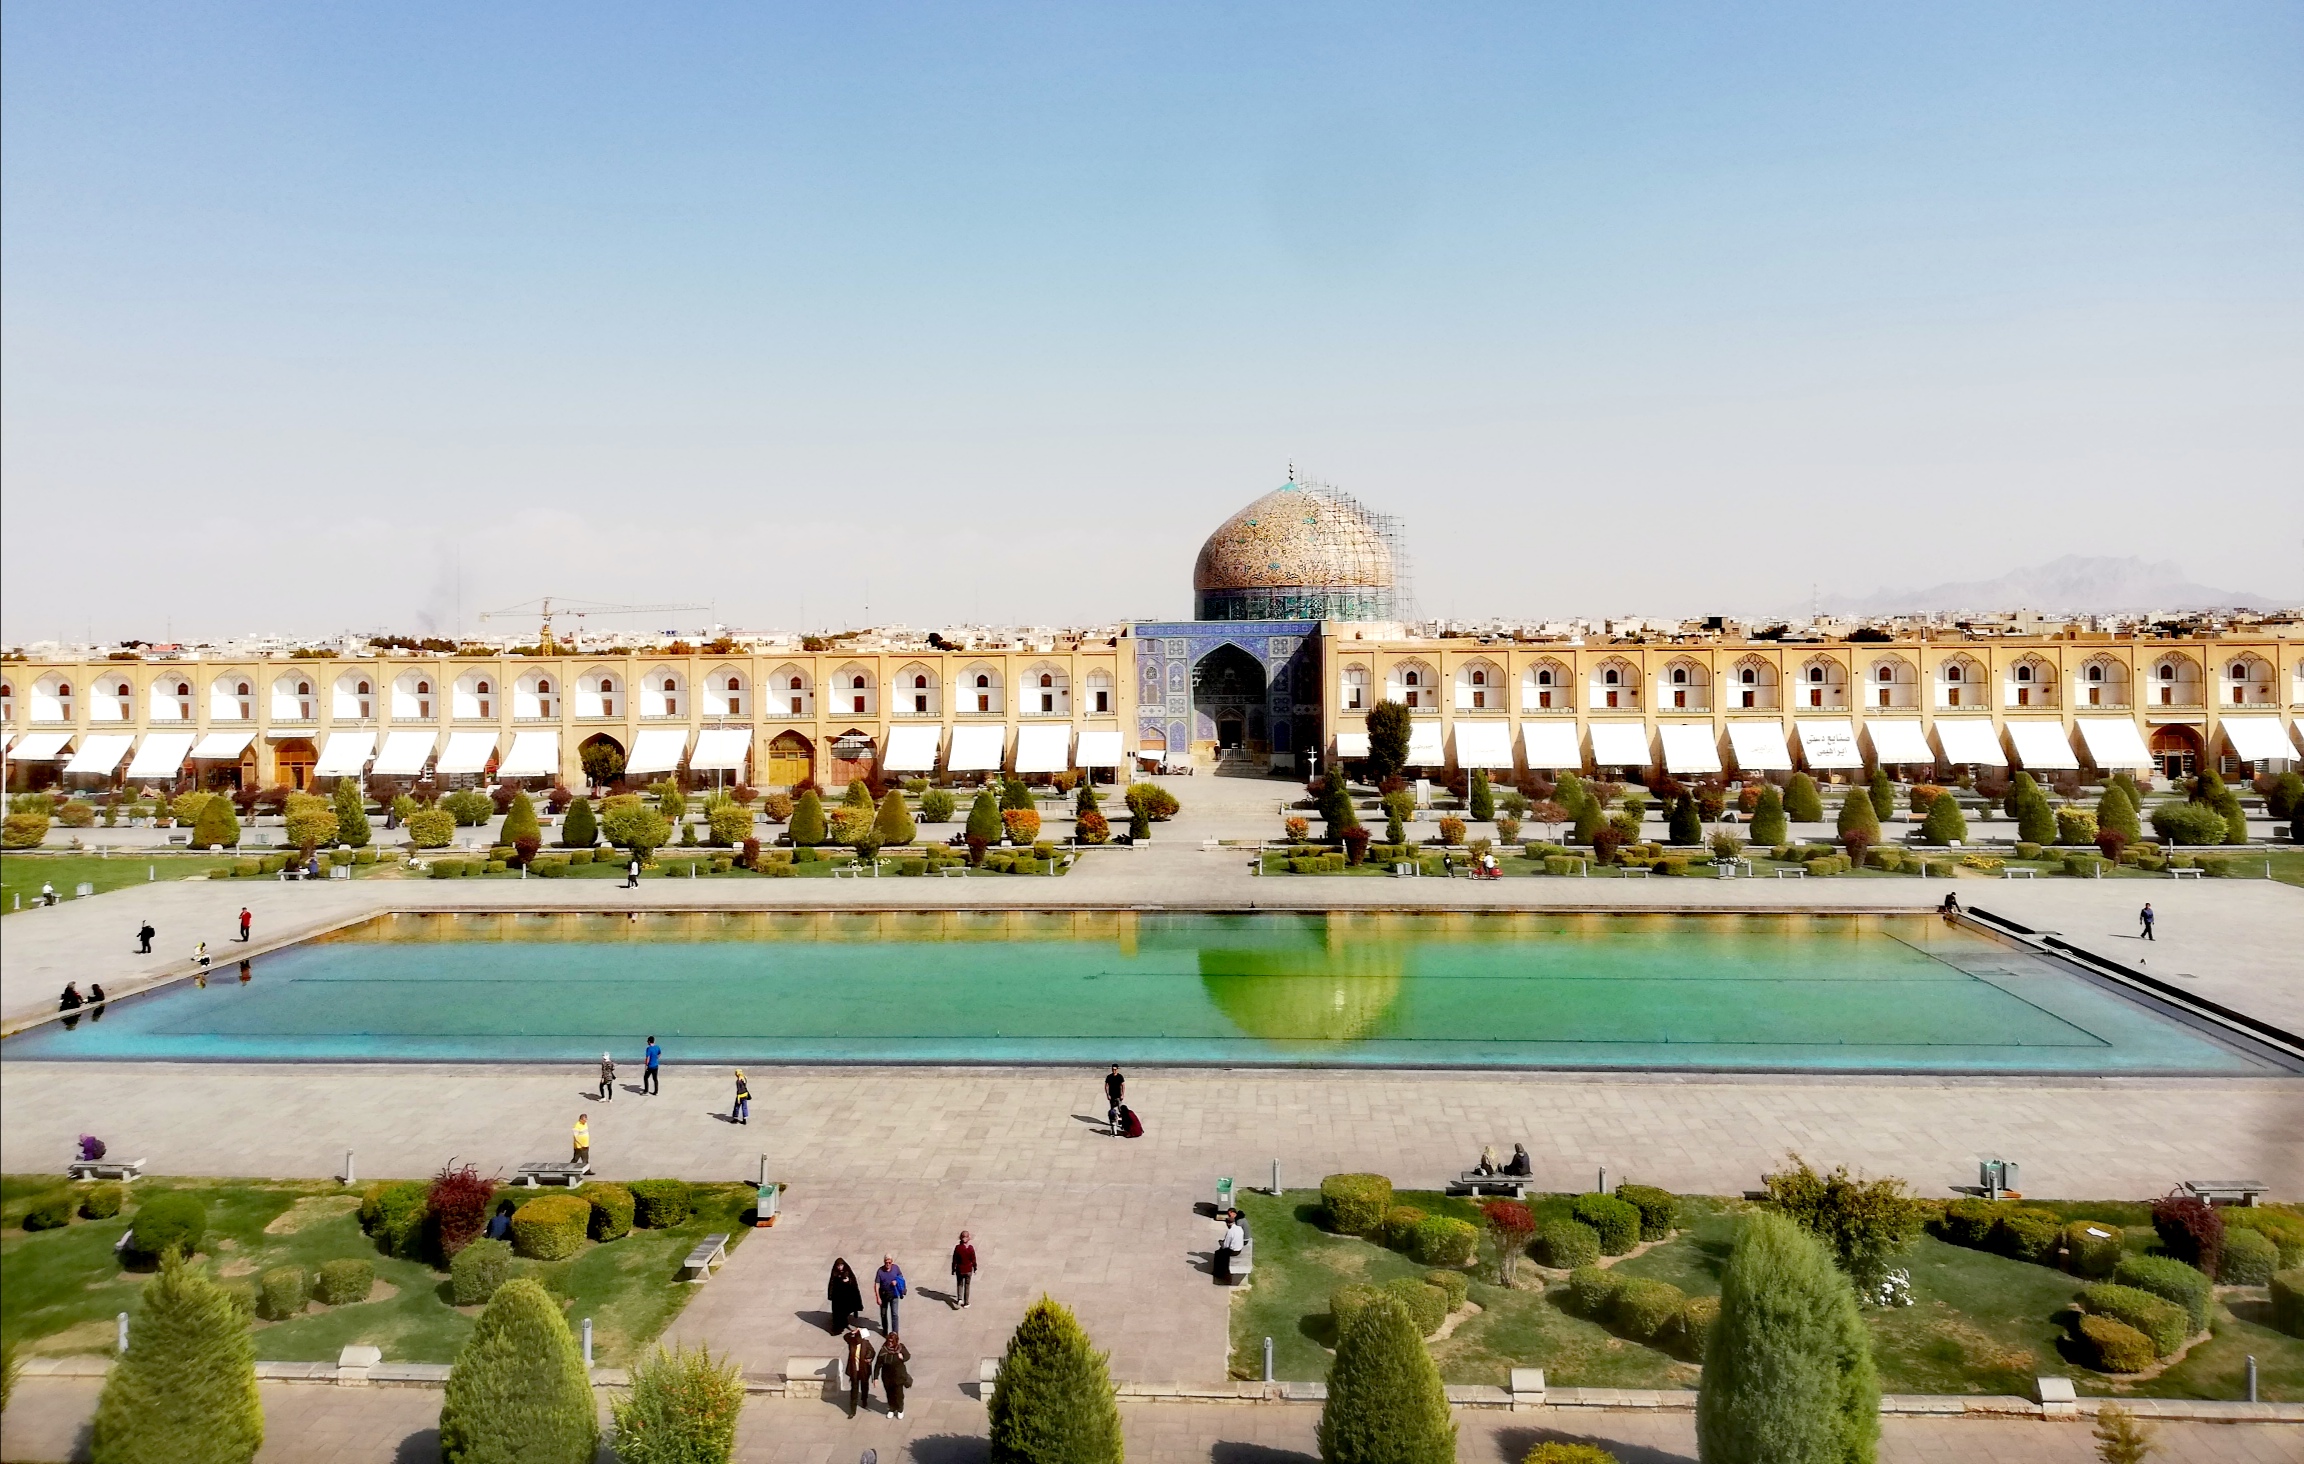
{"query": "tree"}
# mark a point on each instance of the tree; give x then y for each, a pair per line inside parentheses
(2120, 1439)
(219, 825)
(2035, 820)
(1481, 800)
(520, 822)
(351, 813)
(185, 1391)
(1053, 1402)
(1684, 826)
(681, 1410)
(670, 801)
(1591, 820)
(1866, 1223)
(518, 1392)
(1945, 823)
(1883, 794)
(309, 822)
(1768, 824)
(1013, 794)
(1387, 740)
(859, 794)
(1336, 804)
(1399, 806)
(807, 826)
(2115, 814)
(1857, 816)
(1788, 1375)
(602, 761)
(984, 826)
(1385, 1404)
(1802, 804)
(633, 825)
(579, 830)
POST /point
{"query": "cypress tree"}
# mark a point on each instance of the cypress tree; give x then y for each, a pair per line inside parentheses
(1013, 794)
(1801, 802)
(217, 824)
(807, 826)
(1336, 804)
(1883, 794)
(351, 813)
(1385, 1404)
(1591, 818)
(578, 828)
(2035, 820)
(984, 818)
(1483, 798)
(1685, 824)
(894, 825)
(1945, 823)
(1053, 1403)
(519, 822)
(1858, 817)
(518, 1393)
(2114, 813)
(1768, 825)
(1569, 792)
(1387, 740)
(859, 794)
(1788, 1374)
(185, 1391)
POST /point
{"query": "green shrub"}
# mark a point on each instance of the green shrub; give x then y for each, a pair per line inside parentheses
(351, 814)
(518, 1390)
(2288, 1302)
(2284, 1228)
(1427, 1305)
(2188, 824)
(185, 1391)
(23, 830)
(1557, 1452)
(1356, 1203)
(1768, 822)
(496, 866)
(2249, 1258)
(340, 1283)
(2113, 1346)
(1565, 1245)
(1385, 1403)
(1659, 1210)
(2092, 1249)
(2026, 849)
(1696, 1322)
(393, 1212)
(50, 1211)
(660, 1204)
(1788, 1374)
(1053, 1400)
(612, 1210)
(2028, 1235)
(478, 1270)
(550, 1227)
(1969, 1222)
(1645, 1310)
(1455, 1283)
(1400, 1224)
(283, 1292)
(168, 1222)
(1346, 1302)
(2166, 1277)
(1443, 1240)
(681, 1410)
(103, 1201)
(1591, 1289)
(2159, 1319)
(1615, 1221)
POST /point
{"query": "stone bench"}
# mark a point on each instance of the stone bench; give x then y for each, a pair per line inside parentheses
(2229, 1191)
(127, 1171)
(711, 1251)
(811, 1376)
(2018, 873)
(2193, 873)
(1473, 1182)
(545, 1171)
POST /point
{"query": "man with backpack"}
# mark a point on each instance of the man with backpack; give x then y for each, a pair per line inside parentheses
(888, 1286)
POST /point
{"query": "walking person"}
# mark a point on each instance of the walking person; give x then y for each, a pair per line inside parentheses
(1115, 1088)
(963, 1270)
(742, 1111)
(607, 1078)
(144, 934)
(246, 920)
(583, 1140)
(632, 874)
(859, 1370)
(888, 1289)
(895, 1377)
(843, 1295)
(648, 1076)
(2144, 918)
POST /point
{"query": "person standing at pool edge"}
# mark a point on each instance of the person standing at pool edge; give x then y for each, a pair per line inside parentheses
(246, 920)
(741, 1111)
(583, 1138)
(1115, 1087)
(648, 1076)
(2144, 918)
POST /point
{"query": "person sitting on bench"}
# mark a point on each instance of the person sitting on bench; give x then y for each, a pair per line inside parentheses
(91, 1148)
(1487, 1164)
(1521, 1166)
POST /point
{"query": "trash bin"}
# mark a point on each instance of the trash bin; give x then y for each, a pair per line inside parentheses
(764, 1210)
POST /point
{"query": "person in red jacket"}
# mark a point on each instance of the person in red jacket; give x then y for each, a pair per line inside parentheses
(963, 1270)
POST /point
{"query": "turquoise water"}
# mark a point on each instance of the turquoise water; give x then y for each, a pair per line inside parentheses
(1762, 992)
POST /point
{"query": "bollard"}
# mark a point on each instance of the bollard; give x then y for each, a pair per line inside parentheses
(348, 1167)
(587, 1343)
(123, 1344)
(1603, 1179)
(1268, 1360)
(763, 1169)
(1275, 1176)
(2251, 1377)
(151, 873)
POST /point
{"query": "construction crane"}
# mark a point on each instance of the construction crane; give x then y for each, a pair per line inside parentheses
(544, 610)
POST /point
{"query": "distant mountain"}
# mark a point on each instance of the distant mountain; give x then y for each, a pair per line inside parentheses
(2076, 583)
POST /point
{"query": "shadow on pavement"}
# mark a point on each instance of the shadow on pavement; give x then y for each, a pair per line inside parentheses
(1513, 1444)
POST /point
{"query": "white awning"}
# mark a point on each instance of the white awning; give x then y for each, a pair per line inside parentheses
(976, 749)
(100, 752)
(221, 746)
(39, 746)
(1041, 748)
(1829, 742)
(1690, 747)
(346, 754)
(1551, 745)
(912, 749)
(1896, 742)
(1760, 747)
(2042, 744)
(161, 755)
(2114, 742)
(534, 755)
(467, 752)
(1970, 740)
(1484, 744)
(656, 750)
(1351, 744)
(721, 750)
(2254, 739)
(1424, 749)
(1099, 748)
(405, 754)
(1619, 745)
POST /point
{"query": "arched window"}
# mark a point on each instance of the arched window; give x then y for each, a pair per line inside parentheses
(246, 696)
(1886, 675)
(1952, 674)
(2167, 671)
(1748, 676)
(1679, 676)
(2024, 675)
(1544, 678)
(1610, 677)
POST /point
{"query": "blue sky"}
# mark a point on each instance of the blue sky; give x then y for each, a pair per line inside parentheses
(312, 315)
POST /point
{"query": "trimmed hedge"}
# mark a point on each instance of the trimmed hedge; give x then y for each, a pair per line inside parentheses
(50, 1212)
(1400, 1224)
(1659, 1211)
(2284, 1228)
(1644, 1310)
(1346, 1303)
(2160, 1320)
(393, 1212)
(2092, 1249)
(1567, 1244)
(342, 1283)
(2288, 1302)
(1616, 1222)
(2114, 1346)
(478, 1270)
(1591, 1289)
(550, 1227)
(1696, 1319)
(612, 1209)
(1356, 1203)
(1443, 1240)
(518, 1390)
(1455, 1283)
(168, 1222)
(2028, 1235)
(2172, 1279)
(660, 1204)
(103, 1201)
(2249, 1258)
(1427, 1304)
(283, 1292)
(1970, 1222)
(1557, 1452)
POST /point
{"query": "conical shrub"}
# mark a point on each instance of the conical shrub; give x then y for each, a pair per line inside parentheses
(578, 828)
(1802, 804)
(2115, 814)
(1053, 1403)
(807, 826)
(1385, 1404)
(1788, 1375)
(218, 824)
(1482, 798)
(2035, 820)
(894, 825)
(185, 1392)
(1686, 825)
(859, 794)
(1768, 822)
(352, 814)
(1859, 816)
(984, 818)
(518, 1393)
(519, 821)
(1945, 823)
(1883, 794)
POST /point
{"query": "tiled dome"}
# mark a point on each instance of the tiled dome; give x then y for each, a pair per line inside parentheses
(1296, 537)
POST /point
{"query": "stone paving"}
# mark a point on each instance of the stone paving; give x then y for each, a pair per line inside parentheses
(325, 1425)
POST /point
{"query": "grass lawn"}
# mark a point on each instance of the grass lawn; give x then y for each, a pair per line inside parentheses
(65, 1287)
(22, 874)
(1981, 1323)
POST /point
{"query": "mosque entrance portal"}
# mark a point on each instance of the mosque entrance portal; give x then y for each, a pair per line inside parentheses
(1228, 697)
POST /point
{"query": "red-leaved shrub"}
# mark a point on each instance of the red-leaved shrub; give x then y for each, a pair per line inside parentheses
(458, 1207)
(2190, 1230)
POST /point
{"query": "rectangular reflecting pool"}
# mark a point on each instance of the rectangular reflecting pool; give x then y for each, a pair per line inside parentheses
(1763, 992)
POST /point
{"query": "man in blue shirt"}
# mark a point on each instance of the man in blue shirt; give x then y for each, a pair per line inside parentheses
(648, 1078)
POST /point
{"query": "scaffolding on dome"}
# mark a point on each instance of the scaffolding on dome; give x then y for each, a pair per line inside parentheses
(1389, 531)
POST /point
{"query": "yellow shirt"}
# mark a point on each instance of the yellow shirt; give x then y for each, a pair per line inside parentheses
(583, 1135)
